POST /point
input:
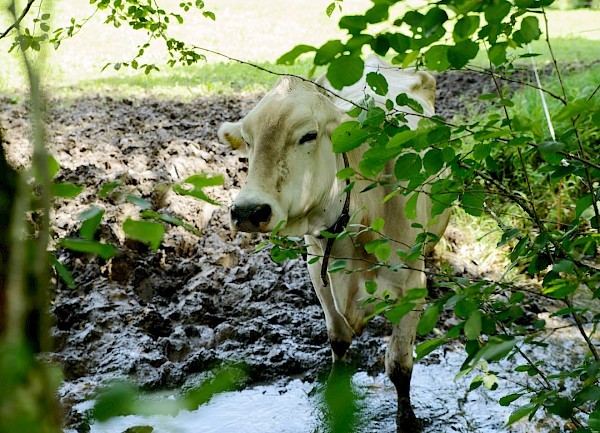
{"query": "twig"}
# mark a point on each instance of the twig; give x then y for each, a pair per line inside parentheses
(579, 324)
(325, 89)
(512, 80)
(554, 62)
(16, 23)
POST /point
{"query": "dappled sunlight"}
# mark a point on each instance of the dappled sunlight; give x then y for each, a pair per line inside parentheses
(469, 245)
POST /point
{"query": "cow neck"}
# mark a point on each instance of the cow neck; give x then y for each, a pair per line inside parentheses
(337, 227)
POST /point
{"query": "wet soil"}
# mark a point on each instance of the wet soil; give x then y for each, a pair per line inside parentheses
(163, 317)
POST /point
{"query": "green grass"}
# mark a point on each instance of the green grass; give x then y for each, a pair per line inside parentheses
(192, 81)
(260, 33)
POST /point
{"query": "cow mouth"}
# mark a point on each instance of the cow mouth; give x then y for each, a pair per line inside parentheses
(248, 227)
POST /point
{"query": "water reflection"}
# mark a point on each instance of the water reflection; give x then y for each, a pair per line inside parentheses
(297, 407)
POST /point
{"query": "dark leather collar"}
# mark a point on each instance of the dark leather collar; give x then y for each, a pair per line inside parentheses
(338, 227)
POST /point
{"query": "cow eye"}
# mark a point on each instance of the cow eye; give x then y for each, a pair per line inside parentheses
(311, 136)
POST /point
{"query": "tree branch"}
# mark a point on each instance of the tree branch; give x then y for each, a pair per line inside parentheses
(18, 20)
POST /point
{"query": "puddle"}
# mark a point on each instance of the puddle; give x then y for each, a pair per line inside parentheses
(444, 405)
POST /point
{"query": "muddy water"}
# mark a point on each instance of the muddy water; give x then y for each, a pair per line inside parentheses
(444, 405)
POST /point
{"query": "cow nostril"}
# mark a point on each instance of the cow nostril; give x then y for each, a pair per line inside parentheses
(260, 214)
(249, 218)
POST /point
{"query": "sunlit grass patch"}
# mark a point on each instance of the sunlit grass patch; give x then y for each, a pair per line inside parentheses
(191, 81)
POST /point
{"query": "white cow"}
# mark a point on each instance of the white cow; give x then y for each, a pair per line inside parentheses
(292, 182)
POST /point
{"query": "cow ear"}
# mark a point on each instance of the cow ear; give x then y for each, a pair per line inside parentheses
(322, 83)
(230, 133)
(425, 89)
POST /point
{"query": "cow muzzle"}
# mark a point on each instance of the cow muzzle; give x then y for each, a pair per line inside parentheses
(250, 217)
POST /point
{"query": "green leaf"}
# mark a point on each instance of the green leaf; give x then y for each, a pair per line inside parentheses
(410, 208)
(521, 412)
(508, 399)
(428, 320)
(497, 53)
(66, 189)
(119, 399)
(353, 23)
(53, 167)
(378, 13)
(472, 202)
(465, 27)
(402, 138)
(583, 204)
(328, 51)
(529, 31)
(345, 70)
(345, 173)
(594, 421)
(63, 272)
(337, 266)
(407, 166)
(558, 288)
(490, 381)
(378, 83)
(564, 265)
(397, 312)
(403, 100)
(370, 287)
(399, 42)
(574, 108)
(139, 201)
(91, 220)
(330, 9)
(171, 220)
(428, 346)
(472, 327)
(378, 224)
(348, 136)
(108, 187)
(380, 248)
(209, 14)
(508, 235)
(105, 251)
(290, 57)
(436, 58)
(198, 182)
(417, 293)
(551, 147)
(460, 54)
(496, 348)
(147, 232)
(482, 151)
(433, 161)
(496, 11)
(563, 407)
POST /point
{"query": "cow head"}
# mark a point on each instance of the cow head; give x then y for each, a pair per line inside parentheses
(291, 179)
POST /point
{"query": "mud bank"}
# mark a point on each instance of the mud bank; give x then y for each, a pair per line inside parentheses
(162, 317)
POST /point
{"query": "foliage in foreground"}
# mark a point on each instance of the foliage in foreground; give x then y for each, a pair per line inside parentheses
(545, 170)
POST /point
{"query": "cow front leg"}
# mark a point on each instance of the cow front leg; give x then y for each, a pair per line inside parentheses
(399, 366)
(338, 332)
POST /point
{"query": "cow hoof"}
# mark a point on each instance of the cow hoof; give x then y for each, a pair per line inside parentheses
(406, 421)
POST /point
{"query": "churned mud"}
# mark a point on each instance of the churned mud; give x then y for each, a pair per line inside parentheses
(163, 317)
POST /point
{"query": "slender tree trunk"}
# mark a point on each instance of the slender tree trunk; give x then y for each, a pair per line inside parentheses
(8, 185)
